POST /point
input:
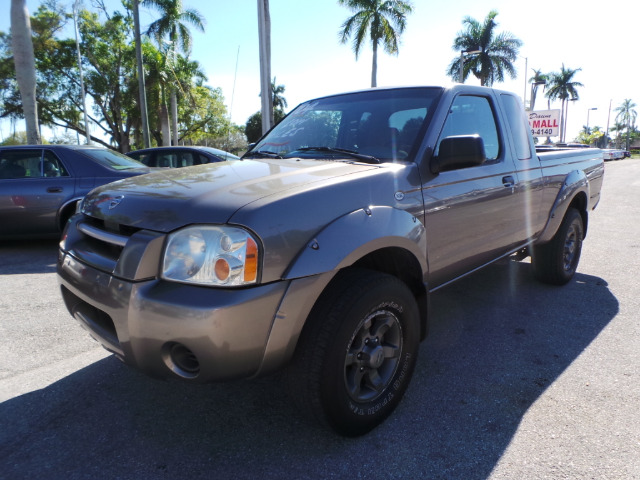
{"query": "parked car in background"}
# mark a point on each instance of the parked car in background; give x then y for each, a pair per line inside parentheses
(613, 154)
(176, 157)
(40, 185)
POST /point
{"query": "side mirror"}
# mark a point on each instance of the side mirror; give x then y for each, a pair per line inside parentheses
(461, 151)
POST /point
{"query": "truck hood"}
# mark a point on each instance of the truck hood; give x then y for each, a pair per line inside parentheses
(169, 199)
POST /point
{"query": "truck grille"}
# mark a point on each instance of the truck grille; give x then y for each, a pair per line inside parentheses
(100, 243)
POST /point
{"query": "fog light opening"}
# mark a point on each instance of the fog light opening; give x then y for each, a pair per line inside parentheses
(183, 361)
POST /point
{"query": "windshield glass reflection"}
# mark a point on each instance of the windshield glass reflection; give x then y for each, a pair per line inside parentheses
(375, 125)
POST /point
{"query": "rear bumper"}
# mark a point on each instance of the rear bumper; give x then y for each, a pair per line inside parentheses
(169, 329)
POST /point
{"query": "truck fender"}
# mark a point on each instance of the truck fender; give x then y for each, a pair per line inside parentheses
(66, 210)
(338, 245)
(354, 235)
(575, 182)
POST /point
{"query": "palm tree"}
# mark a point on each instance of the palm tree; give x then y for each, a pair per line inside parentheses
(173, 24)
(277, 91)
(159, 78)
(497, 53)
(562, 87)
(383, 21)
(24, 61)
(618, 128)
(538, 79)
(142, 94)
(181, 75)
(627, 116)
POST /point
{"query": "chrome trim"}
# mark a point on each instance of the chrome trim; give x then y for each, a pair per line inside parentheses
(103, 236)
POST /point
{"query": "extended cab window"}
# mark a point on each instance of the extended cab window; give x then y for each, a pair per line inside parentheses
(519, 126)
(471, 115)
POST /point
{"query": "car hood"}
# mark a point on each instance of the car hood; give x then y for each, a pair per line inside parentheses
(169, 199)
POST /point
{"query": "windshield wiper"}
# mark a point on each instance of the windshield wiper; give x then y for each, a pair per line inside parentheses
(342, 151)
(261, 153)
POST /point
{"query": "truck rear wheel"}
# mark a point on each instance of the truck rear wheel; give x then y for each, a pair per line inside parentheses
(556, 262)
(356, 355)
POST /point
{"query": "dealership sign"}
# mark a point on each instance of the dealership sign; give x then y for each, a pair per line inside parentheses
(545, 123)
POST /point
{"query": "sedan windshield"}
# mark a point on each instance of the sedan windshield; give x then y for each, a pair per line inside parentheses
(371, 126)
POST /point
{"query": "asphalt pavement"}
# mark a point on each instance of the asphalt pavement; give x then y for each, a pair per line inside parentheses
(517, 380)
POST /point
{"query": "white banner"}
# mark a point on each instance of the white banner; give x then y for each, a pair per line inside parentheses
(545, 123)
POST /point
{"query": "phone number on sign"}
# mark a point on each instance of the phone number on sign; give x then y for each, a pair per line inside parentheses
(543, 131)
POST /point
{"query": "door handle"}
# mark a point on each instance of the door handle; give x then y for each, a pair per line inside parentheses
(54, 189)
(508, 181)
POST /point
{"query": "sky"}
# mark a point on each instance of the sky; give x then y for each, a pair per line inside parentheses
(600, 38)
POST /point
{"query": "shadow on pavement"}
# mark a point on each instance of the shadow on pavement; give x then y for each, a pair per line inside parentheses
(498, 339)
(28, 256)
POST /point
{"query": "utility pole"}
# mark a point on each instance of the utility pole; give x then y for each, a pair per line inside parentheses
(468, 51)
(264, 32)
(606, 135)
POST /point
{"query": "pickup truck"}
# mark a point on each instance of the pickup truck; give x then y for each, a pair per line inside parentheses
(318, 251)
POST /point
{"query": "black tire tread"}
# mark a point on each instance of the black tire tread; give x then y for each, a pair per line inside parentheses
(305, 371)
(547, 259)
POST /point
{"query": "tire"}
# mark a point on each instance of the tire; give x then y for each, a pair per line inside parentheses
(556, 262)
(357, 352)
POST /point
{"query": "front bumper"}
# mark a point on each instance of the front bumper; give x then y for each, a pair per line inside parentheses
(170, 329)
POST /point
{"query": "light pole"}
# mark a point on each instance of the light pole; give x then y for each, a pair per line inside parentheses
(589, 111)
(526, 66)
(264, 37)
(563, 131)
(606, 135)
(468, 51)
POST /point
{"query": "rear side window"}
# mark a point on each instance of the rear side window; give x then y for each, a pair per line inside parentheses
(471, 115)
(519, 126)
(52, 166)
(143, 157)
(186, 159)
(30, 164)
(20, 163)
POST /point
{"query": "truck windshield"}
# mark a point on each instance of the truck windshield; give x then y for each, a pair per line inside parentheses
(375, 125)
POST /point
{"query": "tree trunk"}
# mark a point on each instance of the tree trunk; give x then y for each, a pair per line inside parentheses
(532, 102)
(628, 133)
(164, 125)
(563, 119)
(142, 95)
(22, 46)
(374, 66)
(174, 116)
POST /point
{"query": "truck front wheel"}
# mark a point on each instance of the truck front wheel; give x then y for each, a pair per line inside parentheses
(357, 353)
(556, 262)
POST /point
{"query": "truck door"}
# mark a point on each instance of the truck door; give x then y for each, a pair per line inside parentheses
(469, 215)
(530, 189)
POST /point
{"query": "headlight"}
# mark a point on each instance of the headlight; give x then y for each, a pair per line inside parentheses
(211, 255)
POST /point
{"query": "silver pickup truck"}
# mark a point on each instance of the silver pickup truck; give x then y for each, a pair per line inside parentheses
(318, 250)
